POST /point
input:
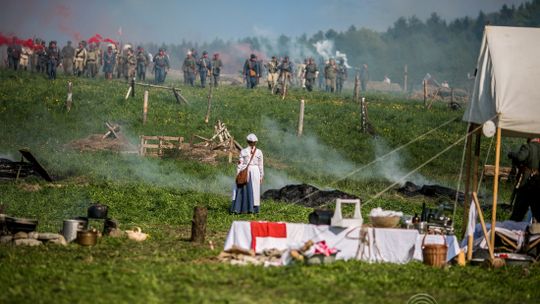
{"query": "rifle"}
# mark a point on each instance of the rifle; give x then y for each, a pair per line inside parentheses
(516, 173)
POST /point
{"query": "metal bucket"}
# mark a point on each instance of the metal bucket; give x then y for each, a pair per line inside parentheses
(70, 228)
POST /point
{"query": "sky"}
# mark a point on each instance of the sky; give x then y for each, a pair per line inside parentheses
(172, 21)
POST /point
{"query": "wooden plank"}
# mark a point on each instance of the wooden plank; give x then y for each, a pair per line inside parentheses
(151, 146)
(151, 137)
(171, 137)
(35, 164)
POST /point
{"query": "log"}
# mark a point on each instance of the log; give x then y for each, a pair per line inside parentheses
(198, 224)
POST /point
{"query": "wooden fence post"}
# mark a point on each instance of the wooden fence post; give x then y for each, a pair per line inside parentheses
(69, 99)
(145, 106)
(356, 94)
(301, 118)
(133, 87)
(209, 107)
(425, 92)
(363, 115)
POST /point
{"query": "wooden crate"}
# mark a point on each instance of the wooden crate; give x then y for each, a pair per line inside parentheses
(156, 145)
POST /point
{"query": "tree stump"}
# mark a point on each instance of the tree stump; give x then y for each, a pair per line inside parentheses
(198, 224)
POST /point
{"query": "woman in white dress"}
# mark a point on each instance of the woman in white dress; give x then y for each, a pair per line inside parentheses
(247, 198)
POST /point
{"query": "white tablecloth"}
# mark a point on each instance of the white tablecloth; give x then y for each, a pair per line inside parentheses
(367, 244)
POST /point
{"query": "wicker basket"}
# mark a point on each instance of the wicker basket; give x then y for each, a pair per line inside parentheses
(384, 221)
(434, 254)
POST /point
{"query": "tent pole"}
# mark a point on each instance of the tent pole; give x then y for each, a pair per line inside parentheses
(495, 192)
(466, 203)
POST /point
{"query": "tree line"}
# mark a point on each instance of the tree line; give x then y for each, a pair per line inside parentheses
(446, 50)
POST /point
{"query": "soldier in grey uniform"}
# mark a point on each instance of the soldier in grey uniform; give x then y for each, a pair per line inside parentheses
(216, 68)
(330, 73)
(189, 67)
(205, 66)
(312, 72)
(364, 77)
(341, 75)
(161, 66)
(68, 54)
(142, 63)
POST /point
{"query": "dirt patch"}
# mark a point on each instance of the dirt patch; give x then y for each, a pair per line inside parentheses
(96, 142)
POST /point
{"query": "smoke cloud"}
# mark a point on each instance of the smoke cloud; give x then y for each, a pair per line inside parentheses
(325, 48)
(308, 155)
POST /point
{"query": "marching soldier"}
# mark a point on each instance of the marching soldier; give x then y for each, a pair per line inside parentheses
(341, 75)
(131, 61)
(205, 67)
(68, 54)
(189, 69)
(364, 77)
(330, 73)
(80, 59)
(14, 51)
(272, 70)
(216, 68)
(91, 61)
(161, 66)
(252, 71)
(311, 73)
(142, 63)
(42, 58)
(285, 70)
(26, 54)
(53, 59)
(109, 60)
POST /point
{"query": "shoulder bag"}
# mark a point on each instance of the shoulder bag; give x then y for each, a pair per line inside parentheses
(242, 176)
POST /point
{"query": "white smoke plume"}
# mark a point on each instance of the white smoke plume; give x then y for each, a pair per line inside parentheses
(309, 155)
(325, 49)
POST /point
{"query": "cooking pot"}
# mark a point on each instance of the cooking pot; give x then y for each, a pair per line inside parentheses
(87, 237)
(69, 230)
(98, 211)
(2, 224)
(83, 222)
(15, 224)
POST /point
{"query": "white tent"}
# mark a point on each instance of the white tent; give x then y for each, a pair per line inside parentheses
(508, 81)
(506, 91)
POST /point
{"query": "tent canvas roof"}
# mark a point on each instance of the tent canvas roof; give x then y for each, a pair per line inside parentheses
(508, 81)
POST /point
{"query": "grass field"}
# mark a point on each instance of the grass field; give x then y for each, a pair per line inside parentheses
(158, 195)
